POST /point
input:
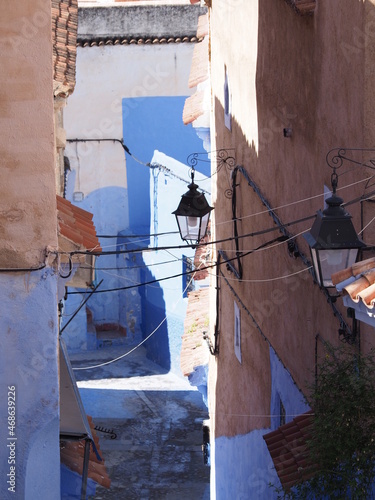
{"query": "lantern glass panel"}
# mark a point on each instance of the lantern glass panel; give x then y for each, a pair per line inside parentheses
(332, 261)
(189, 227)
(204, 225)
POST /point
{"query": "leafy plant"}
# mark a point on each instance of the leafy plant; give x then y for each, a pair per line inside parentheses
(342, 445)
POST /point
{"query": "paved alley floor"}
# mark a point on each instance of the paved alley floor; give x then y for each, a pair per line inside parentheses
(157, 418)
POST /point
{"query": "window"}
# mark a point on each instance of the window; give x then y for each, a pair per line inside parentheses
(227, 102)
(237, 332)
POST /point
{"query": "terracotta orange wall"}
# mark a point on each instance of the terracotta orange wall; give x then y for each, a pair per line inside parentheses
(312, 75)
(27, 202)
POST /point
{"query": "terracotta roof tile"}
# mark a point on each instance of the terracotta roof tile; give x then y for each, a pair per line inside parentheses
(64, 36)
(98, 42)
(194, 351)
(203, 26)
(360, 284)
(288, 448)
(199, 66)
(72, 455)
(76, 224)
(194, 107)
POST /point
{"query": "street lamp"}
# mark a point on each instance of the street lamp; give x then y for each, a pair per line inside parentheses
(193, 214)
(333, 241)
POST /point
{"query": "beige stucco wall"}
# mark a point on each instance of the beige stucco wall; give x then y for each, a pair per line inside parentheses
(27, 202)
(310, 74)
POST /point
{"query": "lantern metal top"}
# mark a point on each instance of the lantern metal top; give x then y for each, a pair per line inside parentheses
(333, 241)
(193, 214)
(333, 228)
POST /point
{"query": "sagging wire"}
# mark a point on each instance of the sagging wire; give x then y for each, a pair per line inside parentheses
(367, 225)
(129, 280)
(262, 212)
(80, 307)
(256, 233)
(154, 165)
(176, 259)
(142, 342)
(70, 268)
(281, 226)
(117, 236)
(226, 261)
(195, 159)
(269, 280)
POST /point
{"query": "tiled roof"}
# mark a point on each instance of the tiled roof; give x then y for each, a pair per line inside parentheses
(358, 282)
(203, 26)
(196, 104)
(194, 351)
(199, 66)
(76, 225)
(64, 36)
(193, 107)
(100, 42)
(288, 448)
(72, 455)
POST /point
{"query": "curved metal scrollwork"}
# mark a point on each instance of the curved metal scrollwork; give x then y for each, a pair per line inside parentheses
(359, 157)
(220, 156)
(336, 157)
(224, 158)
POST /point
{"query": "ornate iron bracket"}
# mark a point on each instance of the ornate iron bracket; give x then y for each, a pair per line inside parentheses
(335, 159)
(338, 157)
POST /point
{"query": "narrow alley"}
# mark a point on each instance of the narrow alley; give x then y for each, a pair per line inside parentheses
(157, 419)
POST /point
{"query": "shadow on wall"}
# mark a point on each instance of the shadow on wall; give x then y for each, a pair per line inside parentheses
(143, 308)
(154, 316)
(304, 94)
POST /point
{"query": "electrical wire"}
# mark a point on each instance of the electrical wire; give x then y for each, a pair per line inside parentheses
(293, 203)
(143, 341)
(126, 149)
(70, 268)
(367, 225)
(136, 235)
(127, 279)
(125, 354)
(143, 266)
(175, 247)
(186, 273)
(22, 270)
(256, 233)
(209, 243)
(268, 280)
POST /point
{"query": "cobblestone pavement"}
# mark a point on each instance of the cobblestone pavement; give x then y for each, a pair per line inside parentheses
(157, 454)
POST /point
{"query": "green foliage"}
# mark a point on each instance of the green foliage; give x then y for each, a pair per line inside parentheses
(342, 446)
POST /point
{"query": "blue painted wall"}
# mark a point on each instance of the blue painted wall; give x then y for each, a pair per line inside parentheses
(243, 466)
(153, 131)
(152, 125)
(28, 361)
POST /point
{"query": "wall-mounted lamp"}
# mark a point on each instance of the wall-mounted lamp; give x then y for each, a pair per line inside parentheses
(193, 214)
(333, 241)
